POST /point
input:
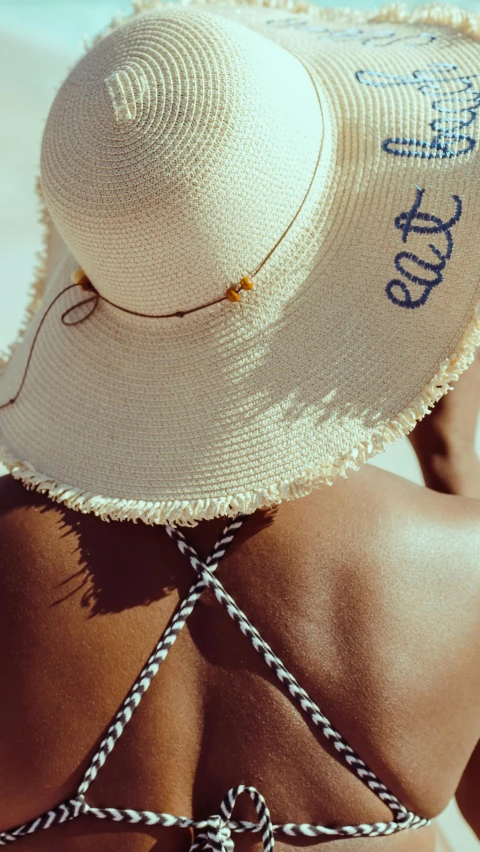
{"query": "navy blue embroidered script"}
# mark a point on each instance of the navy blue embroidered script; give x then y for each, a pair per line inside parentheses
(367, 38)
(455, 99)
(423, 273)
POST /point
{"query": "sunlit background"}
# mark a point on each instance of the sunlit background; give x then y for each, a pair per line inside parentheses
(40, 40)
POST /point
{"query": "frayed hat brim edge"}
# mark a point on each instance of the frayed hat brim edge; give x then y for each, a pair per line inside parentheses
(190, 512)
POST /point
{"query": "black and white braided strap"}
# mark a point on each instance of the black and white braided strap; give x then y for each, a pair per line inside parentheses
(218, 827)
(139, 688)
(215, 833)
(200, 827)
(62, 813)
(308, 706)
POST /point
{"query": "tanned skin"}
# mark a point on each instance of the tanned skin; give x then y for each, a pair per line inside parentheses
(368, 590)
(445, 446)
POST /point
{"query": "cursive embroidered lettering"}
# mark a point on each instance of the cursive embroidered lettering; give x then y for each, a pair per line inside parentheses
(367, 38)
(453, 98)
(426, 274)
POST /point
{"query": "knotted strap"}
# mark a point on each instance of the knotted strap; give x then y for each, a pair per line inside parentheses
(214, 834)
(217, 837)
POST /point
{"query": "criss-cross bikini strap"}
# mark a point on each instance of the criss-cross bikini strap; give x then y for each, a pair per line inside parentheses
(158, 655)
(353, 761)
(207, 579)
(214, 833)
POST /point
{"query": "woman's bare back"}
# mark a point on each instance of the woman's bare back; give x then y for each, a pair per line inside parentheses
(357, 588)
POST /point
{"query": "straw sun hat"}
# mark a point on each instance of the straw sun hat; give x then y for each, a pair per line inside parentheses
(276, 211)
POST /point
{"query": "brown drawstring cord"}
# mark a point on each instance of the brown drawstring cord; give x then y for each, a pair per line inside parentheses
(79, 279)
(92, 299)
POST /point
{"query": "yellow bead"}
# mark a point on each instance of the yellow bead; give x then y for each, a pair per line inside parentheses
(78, 276)
(232, 295)
(246, 283)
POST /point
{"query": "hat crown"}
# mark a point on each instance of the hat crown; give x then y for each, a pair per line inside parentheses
(174, 156)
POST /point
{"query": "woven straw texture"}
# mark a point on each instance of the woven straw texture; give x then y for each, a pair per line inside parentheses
(175, 155)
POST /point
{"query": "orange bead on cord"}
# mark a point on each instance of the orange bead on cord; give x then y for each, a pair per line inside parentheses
(245, 284)
(78, 276)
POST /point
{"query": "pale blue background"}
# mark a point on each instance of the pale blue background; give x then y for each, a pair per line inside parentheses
(62, 23)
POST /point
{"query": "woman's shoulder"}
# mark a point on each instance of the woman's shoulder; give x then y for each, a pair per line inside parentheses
(392, 515)
(395, 574)
(408, 563)
(29, 520)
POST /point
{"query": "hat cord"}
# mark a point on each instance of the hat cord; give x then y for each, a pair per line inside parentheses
(246, 282)
(80, 279)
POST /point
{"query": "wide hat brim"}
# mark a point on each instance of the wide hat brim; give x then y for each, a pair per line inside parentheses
(332, 356)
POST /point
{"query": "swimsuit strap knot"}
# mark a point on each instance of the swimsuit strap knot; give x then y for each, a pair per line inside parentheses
(215, 832)
(215, 837)
(79, 805)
